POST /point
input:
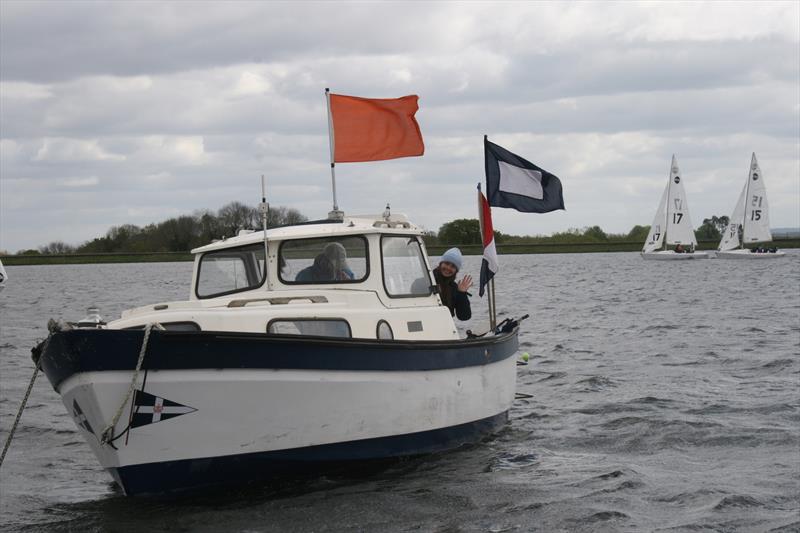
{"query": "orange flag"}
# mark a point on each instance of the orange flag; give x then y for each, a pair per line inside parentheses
(373, 129)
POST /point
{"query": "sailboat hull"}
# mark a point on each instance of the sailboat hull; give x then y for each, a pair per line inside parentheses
(748, 254)
(670, 255)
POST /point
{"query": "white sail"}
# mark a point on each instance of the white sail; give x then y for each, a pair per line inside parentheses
(656, 236)
(3, 275)
(756, 213)
(730, 237)
(679, 224)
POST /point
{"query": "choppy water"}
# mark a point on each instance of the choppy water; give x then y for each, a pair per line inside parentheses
(666, 397)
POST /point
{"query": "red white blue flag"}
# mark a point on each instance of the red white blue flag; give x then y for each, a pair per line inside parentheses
(489, 266)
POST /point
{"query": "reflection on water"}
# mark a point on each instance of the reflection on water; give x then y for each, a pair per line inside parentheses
(663, 396)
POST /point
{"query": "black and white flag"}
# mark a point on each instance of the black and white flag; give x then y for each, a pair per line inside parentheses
(514, 182)
(149, 409)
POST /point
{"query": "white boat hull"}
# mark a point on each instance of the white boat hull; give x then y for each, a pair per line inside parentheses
(670, 255)
(191, 428)
(748, 254)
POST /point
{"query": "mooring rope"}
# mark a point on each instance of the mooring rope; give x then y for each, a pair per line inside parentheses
(108, 432)
(52, 327)
(19, 415)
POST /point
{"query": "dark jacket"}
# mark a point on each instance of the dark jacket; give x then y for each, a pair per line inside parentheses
(455, 300)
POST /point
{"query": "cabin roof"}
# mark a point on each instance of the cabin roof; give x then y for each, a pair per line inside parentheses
(350, 225)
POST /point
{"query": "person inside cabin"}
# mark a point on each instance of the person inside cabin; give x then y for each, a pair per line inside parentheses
(330, 265)
(453, 294)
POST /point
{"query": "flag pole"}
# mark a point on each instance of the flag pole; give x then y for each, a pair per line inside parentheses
(493, 306)
(264, 207)
(335, 214)
(491, 300)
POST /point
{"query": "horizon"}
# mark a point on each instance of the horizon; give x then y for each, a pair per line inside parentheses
(788, 230)
(179, 106)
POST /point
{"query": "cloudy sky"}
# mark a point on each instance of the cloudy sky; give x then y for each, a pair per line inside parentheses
(134, 112)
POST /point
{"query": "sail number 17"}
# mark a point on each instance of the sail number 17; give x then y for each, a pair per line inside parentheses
(676, 218)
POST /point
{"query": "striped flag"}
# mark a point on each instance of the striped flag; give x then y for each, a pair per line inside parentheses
(489, 266)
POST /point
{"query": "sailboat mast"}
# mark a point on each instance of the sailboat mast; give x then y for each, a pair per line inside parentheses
(746, 199)
(666, 211)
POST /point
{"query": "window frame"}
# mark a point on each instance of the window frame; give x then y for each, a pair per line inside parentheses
(195, 325)
(307, 319)
(364, 278)
(233, 291)
(422, 255)
(378, 330)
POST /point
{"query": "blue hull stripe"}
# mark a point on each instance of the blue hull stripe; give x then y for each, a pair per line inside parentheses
(77, 351)
(193, 474)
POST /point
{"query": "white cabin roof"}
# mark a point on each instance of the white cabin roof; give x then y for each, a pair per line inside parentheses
(350, 225)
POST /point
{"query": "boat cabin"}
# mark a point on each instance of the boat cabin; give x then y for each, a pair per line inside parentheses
(361, 277)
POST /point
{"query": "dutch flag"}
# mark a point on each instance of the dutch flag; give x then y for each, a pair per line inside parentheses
(489, 265)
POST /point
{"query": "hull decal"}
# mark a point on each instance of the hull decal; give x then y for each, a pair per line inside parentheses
(149, 409)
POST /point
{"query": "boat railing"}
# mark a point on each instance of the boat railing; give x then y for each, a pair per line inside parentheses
(278, 300)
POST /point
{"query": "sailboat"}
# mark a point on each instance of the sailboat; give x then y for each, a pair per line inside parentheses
(672, 224)
(3, 277)
(749, 223)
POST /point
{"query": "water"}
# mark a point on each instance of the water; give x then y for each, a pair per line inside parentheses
(666, 397)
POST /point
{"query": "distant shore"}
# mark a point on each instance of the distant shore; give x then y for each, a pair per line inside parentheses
(433, 251)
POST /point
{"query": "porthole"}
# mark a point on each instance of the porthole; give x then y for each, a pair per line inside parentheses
(384, 330)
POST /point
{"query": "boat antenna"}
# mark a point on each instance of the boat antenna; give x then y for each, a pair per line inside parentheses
(335, 214)
(264, 208)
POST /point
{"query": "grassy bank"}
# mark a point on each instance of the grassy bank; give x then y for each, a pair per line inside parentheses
(587, 247)
(433, 251)
(75, 259)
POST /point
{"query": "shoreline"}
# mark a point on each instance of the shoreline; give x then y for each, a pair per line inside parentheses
(433, 251)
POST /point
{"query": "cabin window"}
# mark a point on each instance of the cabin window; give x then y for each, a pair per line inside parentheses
(330, 260)
(405, 273)
(383, 330)
(230, 270)
(172, 326)
(319, 327)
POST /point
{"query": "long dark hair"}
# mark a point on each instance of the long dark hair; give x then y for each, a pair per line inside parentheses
(445, 287)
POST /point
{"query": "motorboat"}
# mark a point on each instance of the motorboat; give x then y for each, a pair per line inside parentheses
(672, 224)
(298, 347)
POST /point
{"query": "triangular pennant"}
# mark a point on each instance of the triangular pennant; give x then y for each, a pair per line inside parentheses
(149, 409)
(80, 418)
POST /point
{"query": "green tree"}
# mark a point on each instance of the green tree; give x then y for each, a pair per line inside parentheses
(595, 233)
(638, 233)
(712, 228)
(464, 231)
(57, 248)
(461, 231)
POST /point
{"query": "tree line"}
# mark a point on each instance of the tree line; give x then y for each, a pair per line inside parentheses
(467, 231)
(178, 234)
(185, 232)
